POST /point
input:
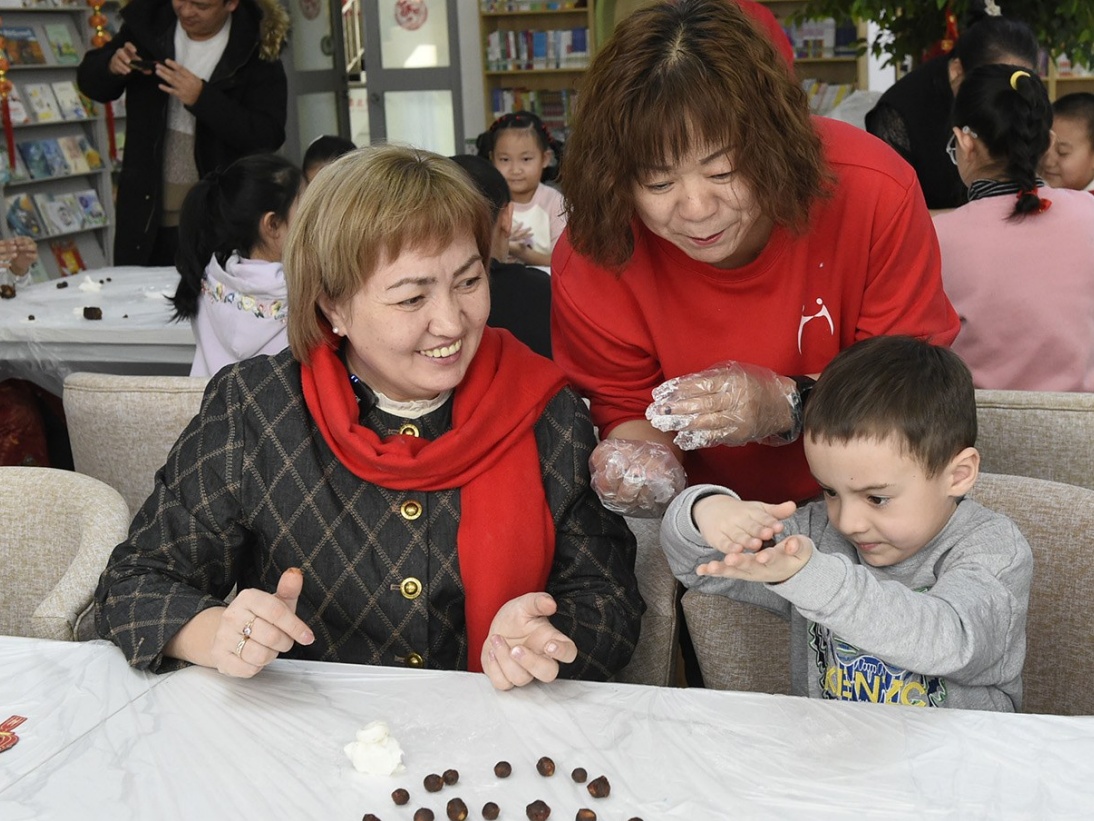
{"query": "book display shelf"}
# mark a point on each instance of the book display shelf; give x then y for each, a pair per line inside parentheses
(60, 191)
(825, 55)
(534, 53)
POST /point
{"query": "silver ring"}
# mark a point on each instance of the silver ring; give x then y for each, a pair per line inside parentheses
(247, 627)
(239, 647)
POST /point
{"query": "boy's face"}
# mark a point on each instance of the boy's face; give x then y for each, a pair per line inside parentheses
(880, 497)
(1069, 161)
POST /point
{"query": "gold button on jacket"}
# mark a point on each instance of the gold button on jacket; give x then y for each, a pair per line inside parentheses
(410, 510)
(414, 660)
(410, 587)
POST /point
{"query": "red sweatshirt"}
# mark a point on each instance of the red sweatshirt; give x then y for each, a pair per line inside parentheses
(868, 265)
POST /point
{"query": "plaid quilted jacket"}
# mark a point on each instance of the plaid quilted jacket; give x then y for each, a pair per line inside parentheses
(251, 489)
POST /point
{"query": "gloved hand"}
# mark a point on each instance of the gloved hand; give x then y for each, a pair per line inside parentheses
(636, 478)
(732, 403)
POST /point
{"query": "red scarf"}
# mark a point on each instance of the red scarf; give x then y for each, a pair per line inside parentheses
(506, 537)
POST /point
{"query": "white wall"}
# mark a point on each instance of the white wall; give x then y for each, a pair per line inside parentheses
(474, 106)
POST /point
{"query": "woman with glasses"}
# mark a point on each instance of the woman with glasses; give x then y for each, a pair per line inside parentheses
(722, 247)
(1018, 259)
(913, 115)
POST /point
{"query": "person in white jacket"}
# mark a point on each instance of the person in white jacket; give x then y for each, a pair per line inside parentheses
(232, 288)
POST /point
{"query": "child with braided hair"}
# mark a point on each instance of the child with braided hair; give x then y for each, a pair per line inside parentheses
(1018, 259)
(523, 150)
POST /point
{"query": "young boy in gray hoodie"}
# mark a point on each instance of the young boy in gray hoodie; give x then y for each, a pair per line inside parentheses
(898, 589)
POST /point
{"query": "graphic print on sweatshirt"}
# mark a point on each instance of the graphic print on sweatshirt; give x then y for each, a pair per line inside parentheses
(848, 674)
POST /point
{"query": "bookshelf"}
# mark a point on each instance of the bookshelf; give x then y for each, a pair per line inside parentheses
(1062, 78)
(60, 192)
(825, 54)
(534, 53)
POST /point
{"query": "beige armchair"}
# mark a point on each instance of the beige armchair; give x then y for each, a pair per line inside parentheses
(741, 647)
(1037, 433)
(122, 427)
(57, 530)
(654, 659)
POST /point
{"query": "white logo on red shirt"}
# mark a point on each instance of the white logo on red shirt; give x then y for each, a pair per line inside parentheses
(822, 313)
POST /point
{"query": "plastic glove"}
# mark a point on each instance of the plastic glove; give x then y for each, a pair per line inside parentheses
(636, 478)
(732, 403)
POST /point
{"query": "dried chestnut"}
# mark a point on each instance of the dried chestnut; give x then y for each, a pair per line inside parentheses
(400, 796)
(546, 767)
(599, 787)
(585, 815)
(433, 782)
(538, 811)
(370, 817)
(450, 776)
(490, 811)
(579, 775)
(503, 769)
(7, 291)
(30, 317)
(424, 814)
(62, 284)
(456, 810)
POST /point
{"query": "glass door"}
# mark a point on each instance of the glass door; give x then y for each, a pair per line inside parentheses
(316, 75)
(409, 89)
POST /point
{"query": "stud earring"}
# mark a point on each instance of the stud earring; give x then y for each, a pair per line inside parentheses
(335, 331)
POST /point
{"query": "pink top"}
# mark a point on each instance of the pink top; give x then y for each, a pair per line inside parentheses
(545, 215)
(1024, 291)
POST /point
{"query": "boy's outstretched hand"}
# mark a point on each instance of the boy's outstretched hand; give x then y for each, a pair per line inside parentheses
(730, 525)
(771, 565)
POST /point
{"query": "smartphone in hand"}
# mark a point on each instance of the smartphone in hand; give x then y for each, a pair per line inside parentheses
(143, 65)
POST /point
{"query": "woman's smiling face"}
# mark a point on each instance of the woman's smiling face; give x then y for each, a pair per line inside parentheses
(415, 325)
(705, 208)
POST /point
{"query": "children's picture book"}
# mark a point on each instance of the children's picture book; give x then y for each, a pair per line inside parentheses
(93, 157)
(89, 105)
(68, 100)
(56, 158)
(58, 214)
(35, 158)
(60, 40)
(92, 207)
(74, 154)
(23, 217)
(9, 174)
(22, 46)
(68, 256)
(42, 102)
(17, 108)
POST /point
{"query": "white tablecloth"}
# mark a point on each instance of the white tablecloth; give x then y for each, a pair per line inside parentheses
(135, 335)
(104, 741)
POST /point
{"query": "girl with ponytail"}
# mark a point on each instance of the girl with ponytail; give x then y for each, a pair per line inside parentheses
(231, 231)
(1017, 260)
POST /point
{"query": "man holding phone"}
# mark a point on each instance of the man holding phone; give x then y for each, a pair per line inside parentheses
(204, 86)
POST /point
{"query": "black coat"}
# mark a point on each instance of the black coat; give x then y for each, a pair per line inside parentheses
(241, 109)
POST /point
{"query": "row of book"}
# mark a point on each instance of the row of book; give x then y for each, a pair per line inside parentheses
(42, 4)
(529, 5)
(44, 215)
(555, 108)
(42, 159)
(1066, 68)
(823, 38)
(823, 97)
(533, 49)
(24, 48)
(51, 103)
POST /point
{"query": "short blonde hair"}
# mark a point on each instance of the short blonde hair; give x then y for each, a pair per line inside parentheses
(363, 210)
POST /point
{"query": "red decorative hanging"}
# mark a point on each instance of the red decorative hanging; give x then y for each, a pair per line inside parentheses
(5, 106)
(100, 38)
(949, 39)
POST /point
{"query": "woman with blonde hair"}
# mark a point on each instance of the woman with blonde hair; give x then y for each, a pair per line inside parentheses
(403, 486)
(722, 247)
